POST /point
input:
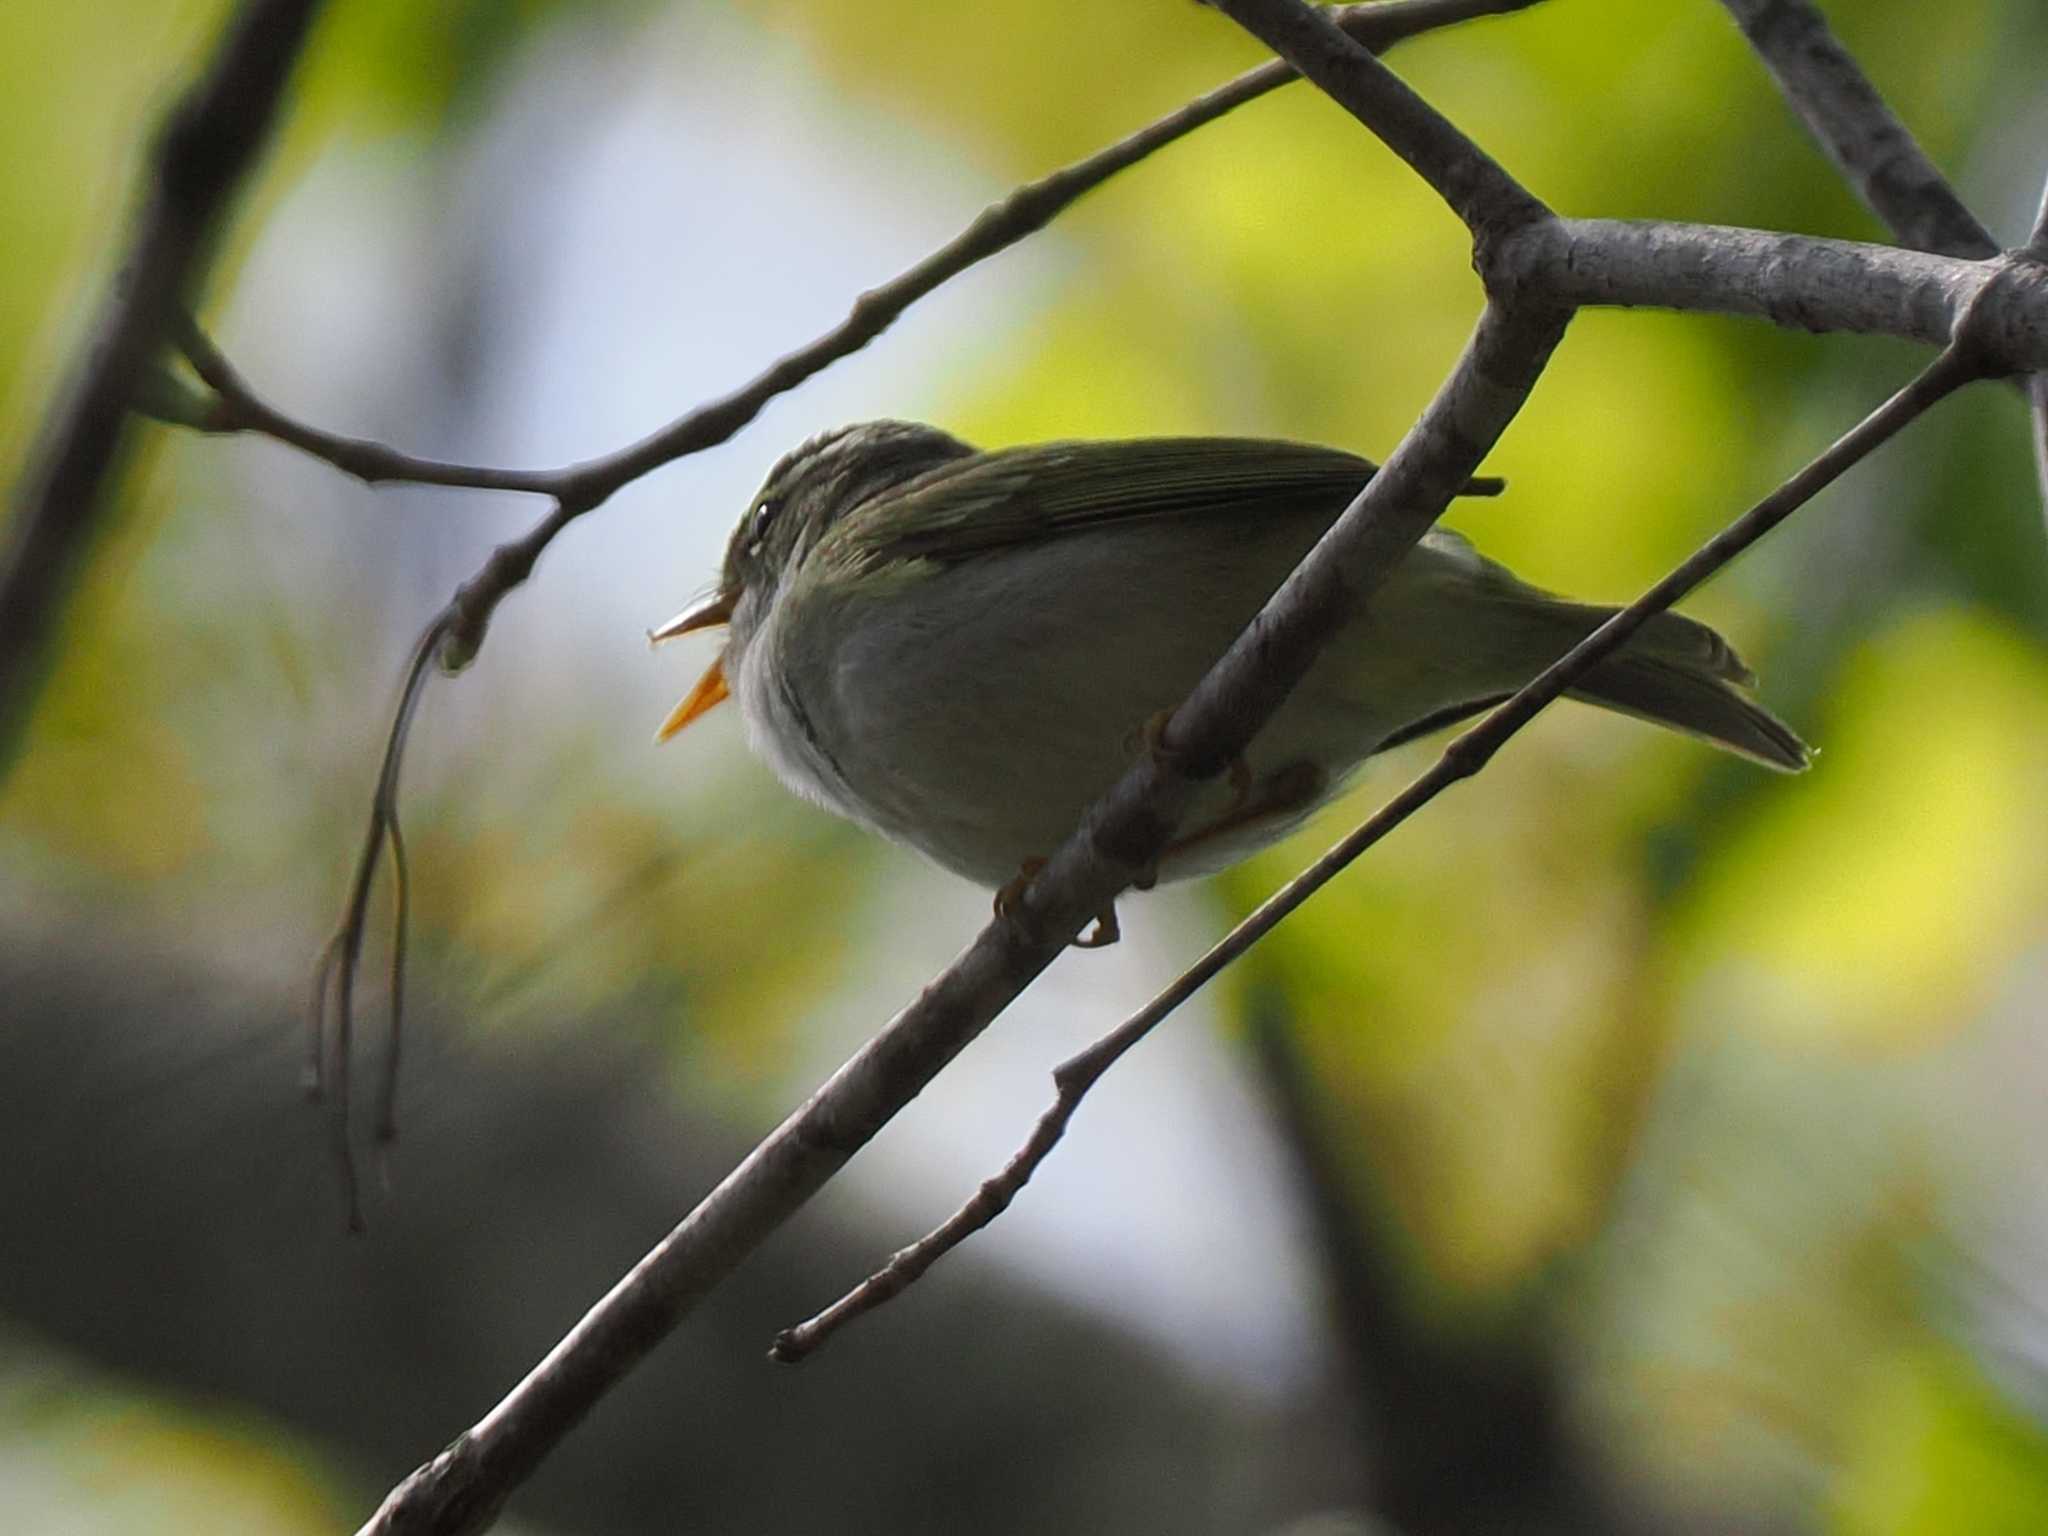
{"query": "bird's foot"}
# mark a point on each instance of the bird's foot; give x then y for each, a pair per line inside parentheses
(1240, 785)
(1105, 932)
(1010, 899)
(1153, 735)
(1010, 907)
(1287, 792)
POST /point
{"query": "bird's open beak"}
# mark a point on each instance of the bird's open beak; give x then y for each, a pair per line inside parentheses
(711, 690)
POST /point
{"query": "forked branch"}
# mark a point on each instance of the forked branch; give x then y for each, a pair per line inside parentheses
(1879, 155)
(1464, 757)
(1574, 262)
(453, 637)
(1530, 302)
(460, 1489)
(1875, 151)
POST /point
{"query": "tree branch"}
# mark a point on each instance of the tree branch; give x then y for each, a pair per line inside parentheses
(455, 634)
(203, 153)
(1796, 281)
(1464, 757)
(1527, 254)
(1478, 190)
(461, 1489)
(328, 1062)
(1859, 132)
(1121, 837)
(236, 407)
(1895, 177)
(1022, 213)
(2037, 385)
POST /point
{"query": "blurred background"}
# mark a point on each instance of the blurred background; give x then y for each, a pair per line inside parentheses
(1637, 1141)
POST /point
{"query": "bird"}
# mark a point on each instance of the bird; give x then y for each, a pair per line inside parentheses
(962, 649)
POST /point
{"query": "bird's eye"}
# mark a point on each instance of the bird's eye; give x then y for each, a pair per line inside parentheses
(757, 525)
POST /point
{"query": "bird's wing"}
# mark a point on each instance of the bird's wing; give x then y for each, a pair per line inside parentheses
(1024, 496)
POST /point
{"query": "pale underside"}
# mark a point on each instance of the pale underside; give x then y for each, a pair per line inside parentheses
(963, 714)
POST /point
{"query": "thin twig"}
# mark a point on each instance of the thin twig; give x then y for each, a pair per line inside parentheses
(580, 488)
(1478, 189)
(341, 955)
(238, 408)
(329, 1082)
(386, 1130)
(203, 154)
(1464, 757)
(1022, 213)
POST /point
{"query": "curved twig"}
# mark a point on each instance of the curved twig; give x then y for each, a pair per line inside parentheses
(1472, 182)
(238, 408)
(328, 1059)
(580, 488)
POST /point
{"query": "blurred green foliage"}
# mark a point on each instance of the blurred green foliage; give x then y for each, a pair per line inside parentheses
(1510, 1006)
(113, 1460)
(1941, 1452)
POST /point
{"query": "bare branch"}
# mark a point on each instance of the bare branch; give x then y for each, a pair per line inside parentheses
(327, 1064)
(455, 635)
(1120, 840)
(1025, 211)
(1878, 154)
(1465, 756)
(1859, 131)
(462, 1488)
(1795, 281)
(1478, 190)
(237, 408)
(1525, 253)
(203, 153)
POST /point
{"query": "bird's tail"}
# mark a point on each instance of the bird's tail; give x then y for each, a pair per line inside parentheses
(1678, 673)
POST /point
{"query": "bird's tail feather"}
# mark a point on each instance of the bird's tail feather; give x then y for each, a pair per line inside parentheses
(1678, 673)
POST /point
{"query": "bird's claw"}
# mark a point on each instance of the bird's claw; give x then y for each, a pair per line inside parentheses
(1153, 735)
(1010, 899)
(1240, 785)
(1104, 933)
(1010, 907)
